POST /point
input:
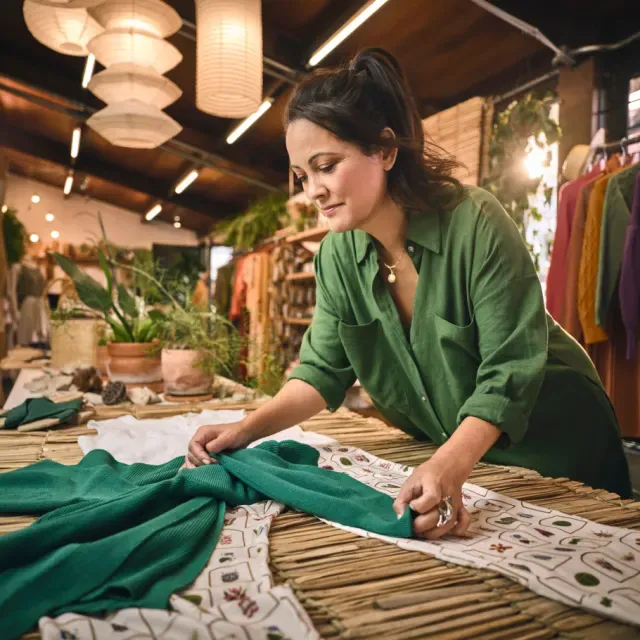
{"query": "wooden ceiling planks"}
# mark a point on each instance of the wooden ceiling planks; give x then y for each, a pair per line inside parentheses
(450, 49)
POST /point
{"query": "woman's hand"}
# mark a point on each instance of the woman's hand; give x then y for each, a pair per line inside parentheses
(428, 485)
(214, 439)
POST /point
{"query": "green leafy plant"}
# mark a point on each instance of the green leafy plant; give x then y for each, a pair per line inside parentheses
(15, 237)
(114, 304)
(524, 124)
(261, 220)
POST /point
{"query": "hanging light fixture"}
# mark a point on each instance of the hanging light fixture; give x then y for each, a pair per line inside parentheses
(229, 57)
(131, 81)
(69, 4)
(134, 124)
(125, 45)
(66, 31)
(154, 17)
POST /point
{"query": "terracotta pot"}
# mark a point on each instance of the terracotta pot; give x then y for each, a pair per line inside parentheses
(181, 376)
(130, 362)
(102, 360)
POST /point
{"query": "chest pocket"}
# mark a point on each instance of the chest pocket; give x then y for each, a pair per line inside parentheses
(453, 352)
(375, 364)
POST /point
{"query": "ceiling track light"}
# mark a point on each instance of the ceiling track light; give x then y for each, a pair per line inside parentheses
(153, 212)
(68, 184)
(75, 142)
(346, 30)
(245, 124)
(89, 66)
(187, 181)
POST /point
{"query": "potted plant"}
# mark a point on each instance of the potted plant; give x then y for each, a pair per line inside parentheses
(195, 347)
(132, 357)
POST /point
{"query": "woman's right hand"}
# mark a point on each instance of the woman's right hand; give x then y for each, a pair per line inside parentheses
(211, 439)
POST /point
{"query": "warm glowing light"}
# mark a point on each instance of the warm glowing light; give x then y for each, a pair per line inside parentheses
(245, 124)
(55, 235)
(49, 217)
(89, 66)
(186, 181)
(68, 185)
(35, 198)
(75, 142)
(153, 212)
(34, 237)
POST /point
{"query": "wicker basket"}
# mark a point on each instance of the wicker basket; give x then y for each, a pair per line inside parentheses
(74, 343)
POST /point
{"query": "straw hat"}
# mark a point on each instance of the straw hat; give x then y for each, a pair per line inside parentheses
(575, 161)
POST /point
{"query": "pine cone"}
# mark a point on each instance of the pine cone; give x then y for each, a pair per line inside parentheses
(114, 393)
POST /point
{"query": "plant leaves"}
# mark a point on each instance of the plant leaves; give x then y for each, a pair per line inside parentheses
(127, 303)
(107, 272)
(92, 293)
(156, 315)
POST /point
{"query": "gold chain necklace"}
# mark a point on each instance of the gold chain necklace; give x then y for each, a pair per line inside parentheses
(392, 276)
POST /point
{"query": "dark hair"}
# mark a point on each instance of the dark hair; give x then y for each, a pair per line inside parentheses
(356, 102)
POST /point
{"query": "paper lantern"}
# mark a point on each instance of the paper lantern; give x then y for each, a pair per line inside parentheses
(66, 31)
(228, 57)
(134, 124)
(146, 16)
(130, 81)
(116, 46)
(70, 4)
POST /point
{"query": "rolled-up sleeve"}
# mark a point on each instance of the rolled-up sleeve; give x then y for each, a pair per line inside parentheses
(323, 361)
(510, 317)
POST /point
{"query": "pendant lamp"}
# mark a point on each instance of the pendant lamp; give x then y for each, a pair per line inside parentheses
(144, 16)
(116, 46)
(130, 81)
(134, 124)
(229, 57)
(66, 31)
(69, 4)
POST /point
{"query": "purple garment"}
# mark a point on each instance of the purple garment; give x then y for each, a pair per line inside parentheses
(629, 289)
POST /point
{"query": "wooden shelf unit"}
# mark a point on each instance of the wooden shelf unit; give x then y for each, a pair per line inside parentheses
(300, 276)
(302, 322)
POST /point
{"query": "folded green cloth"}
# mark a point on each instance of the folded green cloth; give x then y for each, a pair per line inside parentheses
(38, 409)
(114, 535)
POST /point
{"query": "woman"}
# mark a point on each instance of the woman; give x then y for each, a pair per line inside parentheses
(426, 294)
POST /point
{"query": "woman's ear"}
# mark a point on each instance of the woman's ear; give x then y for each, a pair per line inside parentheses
(390, 151)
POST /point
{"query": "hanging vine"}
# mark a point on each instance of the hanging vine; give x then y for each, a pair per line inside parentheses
(525, 127)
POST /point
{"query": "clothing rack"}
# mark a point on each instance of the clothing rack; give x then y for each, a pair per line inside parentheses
(617, 145)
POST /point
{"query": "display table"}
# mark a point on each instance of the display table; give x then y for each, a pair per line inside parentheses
(363, 588)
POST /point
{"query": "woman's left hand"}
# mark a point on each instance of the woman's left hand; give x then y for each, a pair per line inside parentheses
(426, 488)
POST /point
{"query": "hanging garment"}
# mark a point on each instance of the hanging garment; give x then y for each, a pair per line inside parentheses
(29, 293)
(615, 220)
(222, 290)
(114, 536)
(569, 316)
(629, 290)
(567, 199)
(588, 274)
(562, 557)
(239, 292)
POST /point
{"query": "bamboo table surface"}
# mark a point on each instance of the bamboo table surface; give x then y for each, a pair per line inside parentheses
(354, 587)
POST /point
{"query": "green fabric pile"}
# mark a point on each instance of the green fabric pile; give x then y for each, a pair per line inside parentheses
(116, 535)
(39, 409)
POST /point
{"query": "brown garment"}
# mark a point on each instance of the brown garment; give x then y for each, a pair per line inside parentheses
(588, 274)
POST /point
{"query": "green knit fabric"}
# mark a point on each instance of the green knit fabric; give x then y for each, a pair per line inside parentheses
(114, 535)
(38, 409)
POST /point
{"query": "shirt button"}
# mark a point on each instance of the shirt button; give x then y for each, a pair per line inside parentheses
(410, 248)
(423, 398)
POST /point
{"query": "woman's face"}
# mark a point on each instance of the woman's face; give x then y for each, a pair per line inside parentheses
(345, 184)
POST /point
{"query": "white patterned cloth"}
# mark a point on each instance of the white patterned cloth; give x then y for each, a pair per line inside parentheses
(568, 559)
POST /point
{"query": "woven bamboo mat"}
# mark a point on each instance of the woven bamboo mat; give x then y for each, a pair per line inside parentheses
(364, 588)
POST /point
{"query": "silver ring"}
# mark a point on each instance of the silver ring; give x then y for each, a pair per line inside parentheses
(445, 510)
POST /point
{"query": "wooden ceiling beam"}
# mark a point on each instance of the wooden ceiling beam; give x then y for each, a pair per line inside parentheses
(48, 82)
(57, 153)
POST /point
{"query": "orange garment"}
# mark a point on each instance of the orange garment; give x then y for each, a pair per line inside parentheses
(588, 274)
(238, 295)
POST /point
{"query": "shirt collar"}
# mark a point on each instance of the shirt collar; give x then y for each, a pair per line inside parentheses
(424, 230)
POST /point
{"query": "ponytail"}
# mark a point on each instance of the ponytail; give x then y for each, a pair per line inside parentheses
(356, 103)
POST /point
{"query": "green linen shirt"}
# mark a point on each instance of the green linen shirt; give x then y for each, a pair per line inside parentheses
(480, 344)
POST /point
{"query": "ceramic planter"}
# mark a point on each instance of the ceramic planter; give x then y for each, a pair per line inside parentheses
(181, 376)
(132, 363)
